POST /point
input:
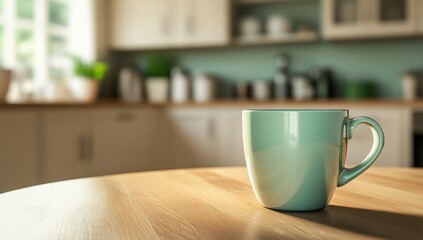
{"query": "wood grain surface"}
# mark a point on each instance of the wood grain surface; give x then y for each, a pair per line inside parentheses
(332, 103)
(215, 203)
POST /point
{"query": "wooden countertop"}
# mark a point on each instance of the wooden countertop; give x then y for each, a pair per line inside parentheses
(215, 203)
(334, 103)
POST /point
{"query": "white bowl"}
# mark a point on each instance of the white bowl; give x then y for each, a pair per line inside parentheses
(5, 79)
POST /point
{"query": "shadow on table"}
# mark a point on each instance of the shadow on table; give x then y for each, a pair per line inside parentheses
(368, 222)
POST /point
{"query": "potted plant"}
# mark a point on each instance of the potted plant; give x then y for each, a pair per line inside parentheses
(158, 71)
(89, 75)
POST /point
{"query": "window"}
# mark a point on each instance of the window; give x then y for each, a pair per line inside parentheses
(36, 37)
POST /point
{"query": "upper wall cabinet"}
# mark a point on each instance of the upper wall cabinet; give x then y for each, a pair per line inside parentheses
(211, 22)
(394, 17)
(150, 24)
(349, 19)
(138, 23)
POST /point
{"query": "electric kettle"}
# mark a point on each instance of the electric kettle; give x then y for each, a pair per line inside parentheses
(131, 87)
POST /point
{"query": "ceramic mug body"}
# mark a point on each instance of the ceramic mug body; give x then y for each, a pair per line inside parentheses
(295, 157)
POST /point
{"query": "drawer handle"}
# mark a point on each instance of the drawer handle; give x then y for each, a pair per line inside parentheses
(86, 148)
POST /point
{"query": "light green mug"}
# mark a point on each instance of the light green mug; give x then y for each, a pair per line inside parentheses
(295, 158)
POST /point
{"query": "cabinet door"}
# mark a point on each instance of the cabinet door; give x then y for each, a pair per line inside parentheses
(231, 138)
(198, 22)
(182, 22)
(394, 17)
(346, 18)
(137, 24)
(192, 138)
(127, 141)
(18, 150)
(66, 144)
(397, 130)
(210, 22)
(420, 17)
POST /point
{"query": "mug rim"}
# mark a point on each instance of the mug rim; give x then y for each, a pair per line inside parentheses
(304, 110)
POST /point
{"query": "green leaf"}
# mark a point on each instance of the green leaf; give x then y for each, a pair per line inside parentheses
(96, 71)
(100, 70)
(158, 65)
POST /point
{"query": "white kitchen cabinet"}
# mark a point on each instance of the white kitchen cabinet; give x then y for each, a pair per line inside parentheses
(192, 138)
(396, 124)
(419, 17)
(19, 154)
(81, 143)
(155, 24)
(394, 17)
(53, 144)
(139, 23)
(127, 140)
(231, 145)
(66, 141)
(345, 18)
(349, 19)
(211, 22)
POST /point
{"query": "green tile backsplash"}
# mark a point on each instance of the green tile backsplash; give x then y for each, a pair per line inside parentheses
(381, 61)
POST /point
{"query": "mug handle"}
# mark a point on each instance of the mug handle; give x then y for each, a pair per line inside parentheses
(348, 174)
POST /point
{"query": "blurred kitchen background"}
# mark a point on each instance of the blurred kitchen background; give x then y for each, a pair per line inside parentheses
(95, 87)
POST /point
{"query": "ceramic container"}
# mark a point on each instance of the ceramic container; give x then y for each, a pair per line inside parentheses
(295, 158)
(204, 88)
(180, 86)
(84, 90)
(157, 89)
(130, 85)
(359, 90)
(57, 92)
(410, 86)
(240, 91)
(5, 79)
(250, 27)
(261, 90)
(278, 26)
(302, 88)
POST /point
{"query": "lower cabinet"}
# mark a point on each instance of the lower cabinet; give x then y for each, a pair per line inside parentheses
(53, 144)
(66, 140)
(126, 141)
(99, 142)
(397, 127)
(207, 137)
(395, 122)
(19, 155)
(192, 138)
(84, 143)
(232, 150)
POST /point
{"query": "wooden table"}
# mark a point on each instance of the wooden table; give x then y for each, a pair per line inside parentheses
(215, 203)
